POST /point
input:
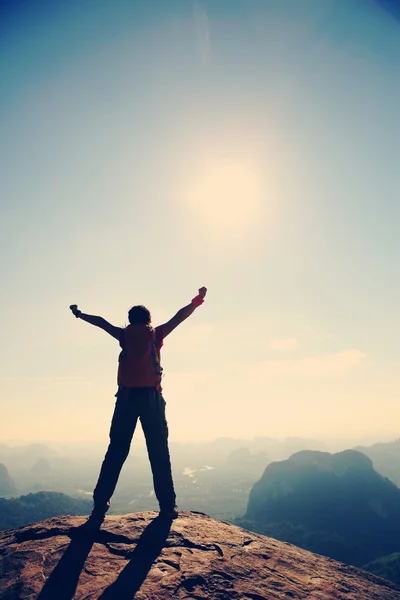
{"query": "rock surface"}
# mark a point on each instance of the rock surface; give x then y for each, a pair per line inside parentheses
(196, 557)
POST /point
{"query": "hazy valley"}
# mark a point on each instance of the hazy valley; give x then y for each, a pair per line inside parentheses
(214, 477)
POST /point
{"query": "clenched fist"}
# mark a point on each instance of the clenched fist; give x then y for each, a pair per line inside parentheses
(75, 310)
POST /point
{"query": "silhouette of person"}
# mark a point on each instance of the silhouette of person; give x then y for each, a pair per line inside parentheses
(139, 396)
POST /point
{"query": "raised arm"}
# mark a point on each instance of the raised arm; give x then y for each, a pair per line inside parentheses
(184, 313)
(115, 332)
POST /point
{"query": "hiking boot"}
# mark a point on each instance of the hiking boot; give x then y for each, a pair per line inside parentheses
(98, 513)
(93, 523)
(169, 513)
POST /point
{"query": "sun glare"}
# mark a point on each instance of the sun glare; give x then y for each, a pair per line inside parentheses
(226, 199)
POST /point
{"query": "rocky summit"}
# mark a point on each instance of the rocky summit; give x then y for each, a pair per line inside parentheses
(147, 558)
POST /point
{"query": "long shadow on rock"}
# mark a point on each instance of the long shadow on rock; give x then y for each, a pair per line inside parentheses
(148, 548)
(63, 580)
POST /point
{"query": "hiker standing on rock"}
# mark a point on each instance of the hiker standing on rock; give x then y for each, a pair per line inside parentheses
(139, 396)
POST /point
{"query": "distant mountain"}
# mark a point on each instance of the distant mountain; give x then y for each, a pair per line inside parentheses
(332, 504)
(387, 567)
(386, 458)
(7, 486)
(243, 459)
(217, 452)
(36, 451)
(25, 456)
(42, 466)
(36, 507)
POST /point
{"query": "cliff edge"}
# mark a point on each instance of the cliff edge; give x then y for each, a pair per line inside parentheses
(194, 557)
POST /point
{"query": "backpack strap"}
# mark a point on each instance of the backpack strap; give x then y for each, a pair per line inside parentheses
(156, 361)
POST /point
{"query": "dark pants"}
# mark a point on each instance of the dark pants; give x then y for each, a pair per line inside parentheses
(148, 405)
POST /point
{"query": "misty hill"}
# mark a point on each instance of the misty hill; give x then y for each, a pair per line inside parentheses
(139, 556)
(386, 458)
(213, 477)
(7, 486)
(244, 459)
(387, 567)
(36, 507)
(333, 504)
(218, 451)
(25, 455)
(41, 467)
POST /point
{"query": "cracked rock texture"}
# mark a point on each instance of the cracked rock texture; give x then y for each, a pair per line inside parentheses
(194, 557)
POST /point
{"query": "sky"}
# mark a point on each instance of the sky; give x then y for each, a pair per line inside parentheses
(149, 148)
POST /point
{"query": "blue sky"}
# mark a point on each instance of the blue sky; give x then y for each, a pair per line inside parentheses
(148, 148)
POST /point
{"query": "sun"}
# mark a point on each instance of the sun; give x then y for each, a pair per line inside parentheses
(226, 199)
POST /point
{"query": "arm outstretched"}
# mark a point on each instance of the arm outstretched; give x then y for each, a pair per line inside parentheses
(115, 332)
(184, 313)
